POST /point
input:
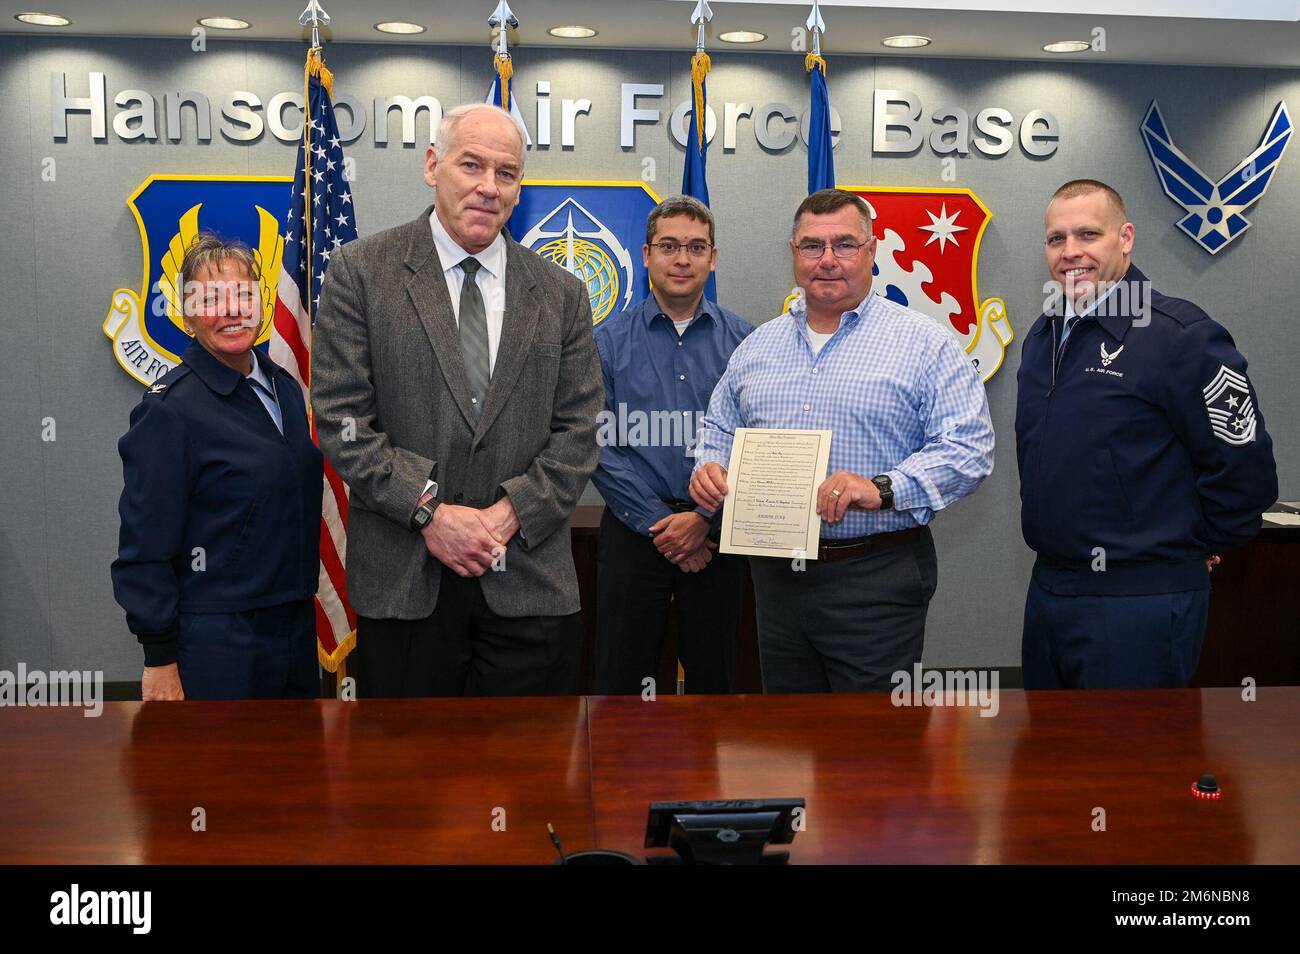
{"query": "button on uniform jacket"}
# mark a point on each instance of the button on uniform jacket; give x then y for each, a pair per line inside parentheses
(390, 397)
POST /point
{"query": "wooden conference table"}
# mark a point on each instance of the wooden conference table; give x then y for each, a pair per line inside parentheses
(422, 781)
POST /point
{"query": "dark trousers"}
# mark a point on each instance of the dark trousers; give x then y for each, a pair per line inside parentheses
(267, 653)
(635, 587)
(1112, 642)
(844, 625)
(464, 648)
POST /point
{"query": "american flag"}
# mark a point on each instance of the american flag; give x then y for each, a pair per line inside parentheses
(319, 220)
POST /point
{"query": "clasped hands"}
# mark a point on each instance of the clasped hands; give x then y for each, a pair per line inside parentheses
(468, 539)
(839, 493)
(683, 539)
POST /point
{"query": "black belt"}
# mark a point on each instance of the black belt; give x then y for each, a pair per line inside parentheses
(677, 505)
(860, 546)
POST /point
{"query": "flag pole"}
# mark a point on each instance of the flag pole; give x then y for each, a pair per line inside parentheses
(817, 25)
(502, 20)
(694, 175)
(821, 160)
(700, 66)
(314, 15)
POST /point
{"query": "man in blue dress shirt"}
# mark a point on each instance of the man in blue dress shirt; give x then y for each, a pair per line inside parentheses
(910, 435)
(661, 359)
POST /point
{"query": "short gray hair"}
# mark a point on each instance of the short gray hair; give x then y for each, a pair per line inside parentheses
(828, 201)
(451, 120)
(678, 205)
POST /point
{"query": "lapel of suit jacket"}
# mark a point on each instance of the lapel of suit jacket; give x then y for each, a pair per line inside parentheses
(518, 326)
(427, 288)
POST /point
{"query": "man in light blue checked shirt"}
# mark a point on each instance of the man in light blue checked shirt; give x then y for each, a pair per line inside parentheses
(911, 434)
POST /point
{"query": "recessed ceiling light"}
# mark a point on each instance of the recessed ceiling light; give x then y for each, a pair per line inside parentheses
(224, 23)
(572, 32)
(742, 36)
(42, 19)
(1067, 46)
(399, 26)
(906, 41)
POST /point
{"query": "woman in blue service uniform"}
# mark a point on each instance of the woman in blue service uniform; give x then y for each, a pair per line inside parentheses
(219, 551)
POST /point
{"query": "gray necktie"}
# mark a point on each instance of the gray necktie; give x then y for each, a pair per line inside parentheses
(474, 337)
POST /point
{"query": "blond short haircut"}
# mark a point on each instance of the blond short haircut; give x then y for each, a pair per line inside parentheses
(210, 251)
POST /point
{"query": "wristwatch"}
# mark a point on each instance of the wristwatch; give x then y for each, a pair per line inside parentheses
(429, 502)
(423, 515)
(886, 488)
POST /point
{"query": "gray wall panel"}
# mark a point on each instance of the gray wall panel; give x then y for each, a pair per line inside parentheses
(24, 575)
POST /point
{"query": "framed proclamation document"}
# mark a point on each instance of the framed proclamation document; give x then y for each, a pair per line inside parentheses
(771, 503)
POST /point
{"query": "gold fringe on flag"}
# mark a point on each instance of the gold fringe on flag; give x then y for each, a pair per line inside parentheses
(813, 60)
(700, 66)
(505, 69)
(316, 67)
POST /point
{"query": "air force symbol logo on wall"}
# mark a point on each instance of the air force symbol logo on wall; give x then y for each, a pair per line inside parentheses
(1232, 413)
(147, 327)
(587, 228)
(1214, 209)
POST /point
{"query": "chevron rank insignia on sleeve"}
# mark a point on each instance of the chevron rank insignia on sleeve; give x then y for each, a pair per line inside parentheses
(1232, 413)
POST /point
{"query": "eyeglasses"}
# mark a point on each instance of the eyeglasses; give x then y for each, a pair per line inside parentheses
(669, 248)
(842, 250)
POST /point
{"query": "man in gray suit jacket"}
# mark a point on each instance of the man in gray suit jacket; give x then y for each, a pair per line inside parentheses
(455, 389)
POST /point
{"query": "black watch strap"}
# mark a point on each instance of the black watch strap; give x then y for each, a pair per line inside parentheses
(421, 518)
(886, 488)
(423, 514)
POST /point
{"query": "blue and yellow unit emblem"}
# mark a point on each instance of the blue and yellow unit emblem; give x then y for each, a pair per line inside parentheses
(147, 327)
(594, 230)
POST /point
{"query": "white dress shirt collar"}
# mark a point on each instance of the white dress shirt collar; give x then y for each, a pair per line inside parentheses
(450, 254)
(799, 311)
(260, 375)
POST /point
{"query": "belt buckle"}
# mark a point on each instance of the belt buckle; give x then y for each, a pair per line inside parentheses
(833, 550)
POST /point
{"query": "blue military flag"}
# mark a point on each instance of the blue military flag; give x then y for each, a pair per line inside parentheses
(821, 157)
(694, 181)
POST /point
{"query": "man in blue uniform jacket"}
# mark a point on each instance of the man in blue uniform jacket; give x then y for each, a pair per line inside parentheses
(1142, 455)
